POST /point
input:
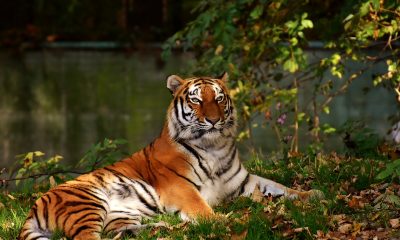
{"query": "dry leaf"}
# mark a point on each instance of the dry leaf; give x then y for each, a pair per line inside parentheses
(345, 228)
(339, 218)
(356, 228)
(52, 181)
(356, 202)
(375, 216)
(257, 195)
(395, 222)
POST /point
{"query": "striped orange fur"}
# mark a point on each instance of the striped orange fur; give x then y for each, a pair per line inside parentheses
(192, 166)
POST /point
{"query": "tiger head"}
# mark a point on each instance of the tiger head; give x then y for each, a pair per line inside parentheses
(201, 109)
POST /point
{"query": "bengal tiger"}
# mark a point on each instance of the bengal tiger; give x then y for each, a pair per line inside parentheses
(192, 166)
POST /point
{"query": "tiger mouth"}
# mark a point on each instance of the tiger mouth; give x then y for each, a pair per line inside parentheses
(213, 130)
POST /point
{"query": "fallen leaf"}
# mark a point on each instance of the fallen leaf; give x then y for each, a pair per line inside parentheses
(356, 228)
(339, 218)
(395, 222)
(375, 216)
(356, 202)
(345, 228)
(257, 195)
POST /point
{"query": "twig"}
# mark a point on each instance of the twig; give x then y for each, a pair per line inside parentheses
(39, 175)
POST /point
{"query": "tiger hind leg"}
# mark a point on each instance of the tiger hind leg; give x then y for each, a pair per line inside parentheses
(125, 229)
(87, 230)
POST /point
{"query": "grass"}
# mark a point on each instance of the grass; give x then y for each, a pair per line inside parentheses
(352, 197)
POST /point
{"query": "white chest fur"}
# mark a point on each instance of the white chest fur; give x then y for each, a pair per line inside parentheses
(214, 169)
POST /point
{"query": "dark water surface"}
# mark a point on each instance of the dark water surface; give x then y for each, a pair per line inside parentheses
(62, 102)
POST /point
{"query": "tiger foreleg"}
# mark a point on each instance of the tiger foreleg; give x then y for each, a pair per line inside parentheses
(186, 200)
(274, 189)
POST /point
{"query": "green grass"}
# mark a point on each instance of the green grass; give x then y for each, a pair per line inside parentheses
(340, 178)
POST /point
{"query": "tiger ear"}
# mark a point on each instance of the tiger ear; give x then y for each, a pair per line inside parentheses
(174, 82)
(224, 77)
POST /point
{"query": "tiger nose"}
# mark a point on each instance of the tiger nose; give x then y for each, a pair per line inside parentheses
(212, 120)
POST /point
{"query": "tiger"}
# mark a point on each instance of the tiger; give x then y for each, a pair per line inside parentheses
(190, 167)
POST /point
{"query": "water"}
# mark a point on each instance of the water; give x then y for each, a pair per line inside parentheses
(62, 102)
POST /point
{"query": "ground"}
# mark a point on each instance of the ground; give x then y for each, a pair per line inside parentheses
(355, 206)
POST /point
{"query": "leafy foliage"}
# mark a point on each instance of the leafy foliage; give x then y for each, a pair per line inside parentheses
(102, 154)
(392, 170)
(38, 172)
(263, 43)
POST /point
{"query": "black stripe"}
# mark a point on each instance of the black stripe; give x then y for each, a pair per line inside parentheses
(148, 162)
(184, 114)
(243, 184)
(116, 219)
(125, 212)
(145, 202)
(228, 165)
(60, 211)
(89, 192)
(100, 179)
(84, 209)
(68, 215)
(79, 195)
(45, 212)
(38, 237)
(185, 178)
(80, 229)
(194, 169)
(83, 220)
(236, 173)
(241, 187)
(147, 191)
(176, 109)
(34, 209)
(77, 203)
(125, 226)
(117, 174)
(197, 156)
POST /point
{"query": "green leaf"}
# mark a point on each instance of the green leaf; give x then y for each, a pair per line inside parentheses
(257, 12)
(293, 41)
(291, 65)
(38, 153)
(364, 9)
(300, 116)
(335, 59)
(307, 23)
(390, 170)
(349, 17)
(326, 109)
(328, 129)
(376, 4)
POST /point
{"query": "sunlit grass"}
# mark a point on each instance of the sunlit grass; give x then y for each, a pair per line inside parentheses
(270, 219)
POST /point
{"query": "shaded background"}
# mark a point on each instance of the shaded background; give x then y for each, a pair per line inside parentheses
(75, 72)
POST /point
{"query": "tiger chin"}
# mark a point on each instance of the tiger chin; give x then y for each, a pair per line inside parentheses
(192, 166)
